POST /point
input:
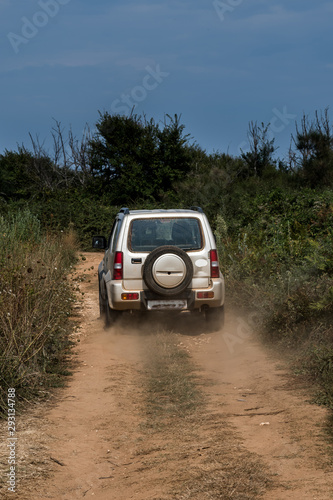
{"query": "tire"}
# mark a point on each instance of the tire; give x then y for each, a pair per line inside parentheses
(215, 318)
(102, 305)
(111, 316)
(178, 281)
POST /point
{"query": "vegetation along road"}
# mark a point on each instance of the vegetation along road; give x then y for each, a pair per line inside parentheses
(167, 410)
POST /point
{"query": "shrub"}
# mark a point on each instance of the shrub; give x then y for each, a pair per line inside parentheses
(277, 256)
(35, 304)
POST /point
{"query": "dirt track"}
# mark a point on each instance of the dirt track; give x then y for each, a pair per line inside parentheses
(91, 441)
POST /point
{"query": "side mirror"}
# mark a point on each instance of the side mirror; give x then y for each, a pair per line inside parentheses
(99, 242)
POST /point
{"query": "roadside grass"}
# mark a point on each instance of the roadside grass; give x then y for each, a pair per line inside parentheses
(329, 432)
(202, 450)
(279, 262)
(35, 306)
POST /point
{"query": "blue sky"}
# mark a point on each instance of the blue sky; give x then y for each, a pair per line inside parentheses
(220, 64)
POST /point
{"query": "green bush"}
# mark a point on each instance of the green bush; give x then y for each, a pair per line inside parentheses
(277, 256)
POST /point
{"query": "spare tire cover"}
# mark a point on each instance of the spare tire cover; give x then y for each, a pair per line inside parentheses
(168, 270)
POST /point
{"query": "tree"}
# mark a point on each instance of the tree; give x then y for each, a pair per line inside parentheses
(261, 151)
(210, 181)
(123, 157)
(17, 179)
(313, 158)
(174, 154)
(132, 159)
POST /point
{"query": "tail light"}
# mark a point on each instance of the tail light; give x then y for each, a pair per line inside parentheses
(205, 295)
(118, 266)
(214, 264)
(129, 296)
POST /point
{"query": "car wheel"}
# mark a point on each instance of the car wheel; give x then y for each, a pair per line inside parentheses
(215, 318)
(102, 305)
(111, 316)
(168, 270)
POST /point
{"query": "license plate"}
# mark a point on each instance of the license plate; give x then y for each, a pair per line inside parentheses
(155, 305)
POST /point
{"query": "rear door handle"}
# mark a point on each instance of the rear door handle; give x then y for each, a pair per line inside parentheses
(136, 261)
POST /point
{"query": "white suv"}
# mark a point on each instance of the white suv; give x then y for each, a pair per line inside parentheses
(160, 260)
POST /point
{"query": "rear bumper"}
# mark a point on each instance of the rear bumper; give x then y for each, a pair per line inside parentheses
(189, 298)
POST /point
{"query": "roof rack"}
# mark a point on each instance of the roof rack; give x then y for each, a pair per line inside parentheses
(197, 209)
(124, 210)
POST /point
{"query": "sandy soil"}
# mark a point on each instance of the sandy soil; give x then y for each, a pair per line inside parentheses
(88, 439)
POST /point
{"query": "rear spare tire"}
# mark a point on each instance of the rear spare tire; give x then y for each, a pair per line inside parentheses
(168, 270)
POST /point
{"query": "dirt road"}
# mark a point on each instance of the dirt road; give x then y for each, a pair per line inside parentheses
(254, 435)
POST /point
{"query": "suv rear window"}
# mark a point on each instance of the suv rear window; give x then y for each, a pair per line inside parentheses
(147, 234)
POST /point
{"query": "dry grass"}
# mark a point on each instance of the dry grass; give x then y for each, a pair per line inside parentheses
(201, 450)
(32, 459)
(35, 306)
(171, 387)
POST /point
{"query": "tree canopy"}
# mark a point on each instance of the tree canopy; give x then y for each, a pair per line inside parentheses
(133, 158)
